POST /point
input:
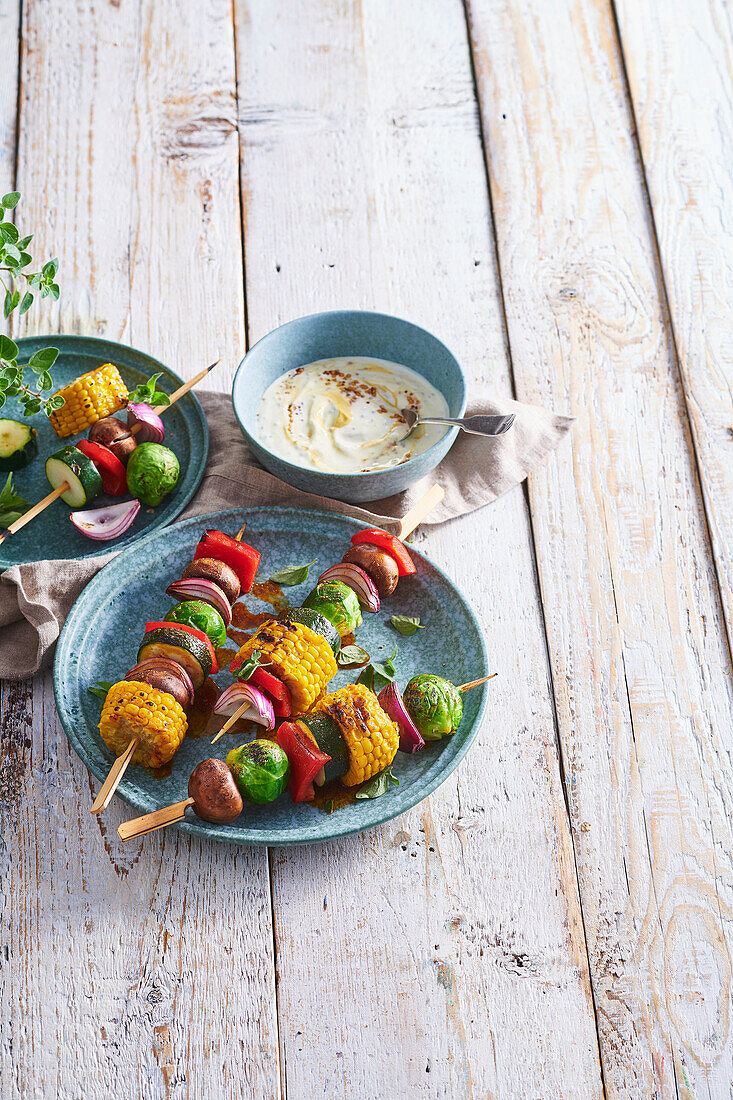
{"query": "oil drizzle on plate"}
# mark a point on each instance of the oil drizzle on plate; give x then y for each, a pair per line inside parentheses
(203, 708)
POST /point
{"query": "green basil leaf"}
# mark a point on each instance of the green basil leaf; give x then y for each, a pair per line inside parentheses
(378, 785)
(11, 199)
(245, 672)
(352, 656)
(8, 348)
(100, 689)
(294, 574)
(406, 624)
(12, 506)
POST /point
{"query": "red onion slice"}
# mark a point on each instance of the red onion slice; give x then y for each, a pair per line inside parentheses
(151, 426)
(165, 664)
(196, 588)
(390, 700)
(357, 579)
(108, 522)
(260, 709)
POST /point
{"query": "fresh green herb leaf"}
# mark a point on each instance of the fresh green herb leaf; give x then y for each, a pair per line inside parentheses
(294, 574)
(11, 200)
(406, 624)
(27, 302)
(146, 393)
(352, 656)
(328, 807)
(8, 349)
(12, 506)
(41, 360)
(100, 689)
(245, 672)
(378, 674)
(378, 785)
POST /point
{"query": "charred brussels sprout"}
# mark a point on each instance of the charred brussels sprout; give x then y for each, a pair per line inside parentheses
(260, 770)
(435, 706)
(337, 603)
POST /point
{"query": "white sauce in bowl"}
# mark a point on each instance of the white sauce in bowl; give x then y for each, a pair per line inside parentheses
(343, 415)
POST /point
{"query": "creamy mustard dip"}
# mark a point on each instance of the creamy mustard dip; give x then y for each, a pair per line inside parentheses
(343, 415)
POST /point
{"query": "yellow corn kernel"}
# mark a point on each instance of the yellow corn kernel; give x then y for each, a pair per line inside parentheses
(155, 718)
(371, 736)
(87, 399)
(302, 659)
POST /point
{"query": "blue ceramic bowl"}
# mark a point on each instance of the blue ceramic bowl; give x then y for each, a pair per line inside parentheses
(347, 332)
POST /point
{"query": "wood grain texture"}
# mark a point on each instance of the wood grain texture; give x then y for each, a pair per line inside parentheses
(144, 970)
(679, 61)
(9, 26)
(637, 639)
(412, 959)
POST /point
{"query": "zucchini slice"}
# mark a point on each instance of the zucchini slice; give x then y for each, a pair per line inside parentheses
(70, 465)
(318, 623)
(18, 444)
(179, 646)
(329, 738)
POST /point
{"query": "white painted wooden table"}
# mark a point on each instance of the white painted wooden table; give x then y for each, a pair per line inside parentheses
(545, 184)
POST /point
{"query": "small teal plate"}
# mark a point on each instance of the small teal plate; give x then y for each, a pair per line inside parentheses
(103, 632)
(52, 535)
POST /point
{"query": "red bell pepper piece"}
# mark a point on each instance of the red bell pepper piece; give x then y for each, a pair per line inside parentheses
(276, 689)
(304, 757)
(111, 470)
(189, 630)
(243, 559)
(393, 546)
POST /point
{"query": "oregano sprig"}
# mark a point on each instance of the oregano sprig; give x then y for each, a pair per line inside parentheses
(21, 286)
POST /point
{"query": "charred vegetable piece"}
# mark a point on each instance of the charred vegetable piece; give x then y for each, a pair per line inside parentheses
(316, 622)
(179, 644)
(371, 737)
(112, 433)
(165, 675)
(214, 792)
(434, 704)
(95, 394)
(243, 559)
(201, 615)
(152, 473)
(304, 757)
(302, 659)
(196, 588)
(377, 563)
(111, 470)
(276, 689)
(330, 740)
(375, 537)
(70, 465)
(337, 603)
(260, 770)
(18, 444)
(211, 569)
(135, 709)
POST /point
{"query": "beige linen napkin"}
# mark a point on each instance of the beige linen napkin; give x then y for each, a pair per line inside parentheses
(35, 599)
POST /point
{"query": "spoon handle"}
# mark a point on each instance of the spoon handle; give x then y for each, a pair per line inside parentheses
(475, 425)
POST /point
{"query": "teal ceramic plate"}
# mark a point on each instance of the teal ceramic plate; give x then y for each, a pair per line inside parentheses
(52, 535)
(103, 631)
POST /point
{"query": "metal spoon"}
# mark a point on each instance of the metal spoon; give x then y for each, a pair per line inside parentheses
(475, 425)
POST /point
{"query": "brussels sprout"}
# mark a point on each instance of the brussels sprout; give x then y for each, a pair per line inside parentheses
(337, 603)
(152, 473)
(435, 706)
(260, 770)
(203, 616)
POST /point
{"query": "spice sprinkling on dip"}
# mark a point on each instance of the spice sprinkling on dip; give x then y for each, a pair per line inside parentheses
(343, 415)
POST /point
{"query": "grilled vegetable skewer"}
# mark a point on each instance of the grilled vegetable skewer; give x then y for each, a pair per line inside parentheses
(73, 475)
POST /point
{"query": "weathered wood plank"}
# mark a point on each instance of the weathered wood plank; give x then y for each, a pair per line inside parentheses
(680, 70)
(411, 959)
(637, 639)
(144, 970)
(9, 23)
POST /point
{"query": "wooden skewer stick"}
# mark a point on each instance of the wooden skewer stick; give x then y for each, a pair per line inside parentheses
(34, 511)
(114, 778)
(475, 683)
(419, 511)
(42, 504)
(240, 532)
(230, 721)
(158, 819)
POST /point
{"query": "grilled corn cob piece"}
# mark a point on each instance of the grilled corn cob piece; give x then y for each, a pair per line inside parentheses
(133, 709)
(371, 737)
(302, 659)
(87, 399)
